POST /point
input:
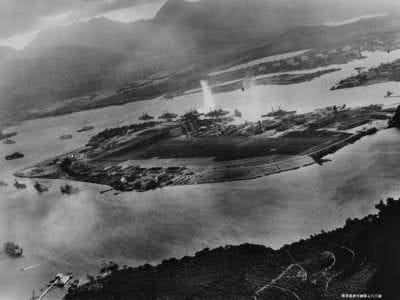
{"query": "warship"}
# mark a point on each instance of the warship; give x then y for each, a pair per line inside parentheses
(68, 189)
(66, 137)
(145, 117)
(85, 128)
(40, 187)
(13, 250)
(168, 116)
(15, 155)
(9, 142)
(19, 186)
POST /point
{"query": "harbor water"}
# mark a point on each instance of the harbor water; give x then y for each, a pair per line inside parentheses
(77, 233)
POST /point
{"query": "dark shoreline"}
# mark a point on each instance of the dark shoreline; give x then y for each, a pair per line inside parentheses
(359, 258)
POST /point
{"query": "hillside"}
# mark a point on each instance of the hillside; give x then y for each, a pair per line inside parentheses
(360, 258)
(102, 55)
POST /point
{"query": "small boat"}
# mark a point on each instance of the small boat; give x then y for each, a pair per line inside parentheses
(40, 187)
(13, 250)
(19, 185)
(9, 142)
(85, 128)
(15, 155)
(66, 137)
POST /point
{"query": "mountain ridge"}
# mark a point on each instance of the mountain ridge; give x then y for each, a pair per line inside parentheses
(181, 34)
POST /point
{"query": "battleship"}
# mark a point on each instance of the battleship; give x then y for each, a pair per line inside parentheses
(68, 189)
(145, 117)
(19, 186)
(15, 155)
(66, 137)
(168, 116)
(40, 188)
(217, 113)
(13, 250)
(85, 128)
(237, 113)
(9, 142)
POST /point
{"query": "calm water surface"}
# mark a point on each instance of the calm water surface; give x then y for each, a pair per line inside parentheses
(77, 233)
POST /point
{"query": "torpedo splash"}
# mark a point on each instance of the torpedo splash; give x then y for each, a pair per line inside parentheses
(208, 98)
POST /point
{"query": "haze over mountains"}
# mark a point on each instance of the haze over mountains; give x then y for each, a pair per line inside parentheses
(100, 54)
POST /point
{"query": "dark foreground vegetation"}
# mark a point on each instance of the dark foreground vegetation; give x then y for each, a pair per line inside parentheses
(362, 258)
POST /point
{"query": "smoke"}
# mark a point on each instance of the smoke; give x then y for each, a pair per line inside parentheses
(49, 224)
(208, 98)
(71, 221)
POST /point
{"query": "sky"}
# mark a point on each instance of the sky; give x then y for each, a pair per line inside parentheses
(21, 20)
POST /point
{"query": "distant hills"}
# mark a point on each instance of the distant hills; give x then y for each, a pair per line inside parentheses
(97, 55)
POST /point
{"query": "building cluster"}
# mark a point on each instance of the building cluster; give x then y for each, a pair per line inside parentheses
(124, 177)
(139, 178)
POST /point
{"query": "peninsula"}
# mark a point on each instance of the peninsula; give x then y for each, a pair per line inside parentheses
(217, 146)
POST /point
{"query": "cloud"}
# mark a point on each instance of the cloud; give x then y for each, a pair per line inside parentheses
(21, 16)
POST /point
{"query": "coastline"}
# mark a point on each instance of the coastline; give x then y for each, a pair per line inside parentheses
(235, 170)
(324, 266)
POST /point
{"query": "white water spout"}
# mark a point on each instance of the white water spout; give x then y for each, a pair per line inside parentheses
(209, 103)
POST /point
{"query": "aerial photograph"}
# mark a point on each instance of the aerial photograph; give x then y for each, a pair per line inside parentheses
(199, 149)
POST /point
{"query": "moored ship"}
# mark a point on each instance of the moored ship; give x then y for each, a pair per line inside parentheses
(9, 142)
(15, 155)
(13, 250)
(40, 187)
(19, 186)
(85, 128)
(68, 189)
(145, 117)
